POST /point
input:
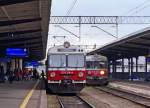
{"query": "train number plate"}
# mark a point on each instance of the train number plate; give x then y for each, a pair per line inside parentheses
(66, 81)
(66, 76)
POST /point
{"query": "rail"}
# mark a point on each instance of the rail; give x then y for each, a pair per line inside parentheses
(73, 102)
(134, 97)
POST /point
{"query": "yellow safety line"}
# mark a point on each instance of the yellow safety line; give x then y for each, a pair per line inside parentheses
(28, 96)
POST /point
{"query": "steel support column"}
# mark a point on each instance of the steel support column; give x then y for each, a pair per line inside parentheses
(108, 64)
(129, 66)
(114, 68)
(12, 65)
(136, 64)
(132, 69)
(16, 63)
(146, 67)
(122, 68)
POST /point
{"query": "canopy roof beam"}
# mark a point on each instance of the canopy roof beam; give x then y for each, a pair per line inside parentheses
(11, 2)
(20, 21)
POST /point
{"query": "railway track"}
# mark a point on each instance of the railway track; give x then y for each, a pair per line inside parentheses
(73, 102)
(134, 97)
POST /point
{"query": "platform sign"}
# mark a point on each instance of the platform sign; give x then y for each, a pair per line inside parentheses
(16, 52)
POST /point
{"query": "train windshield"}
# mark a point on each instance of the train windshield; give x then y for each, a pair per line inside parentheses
(96, 64)
(76, 60)
(57, 60)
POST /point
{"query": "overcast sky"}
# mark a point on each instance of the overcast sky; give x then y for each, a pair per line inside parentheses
(89, 35)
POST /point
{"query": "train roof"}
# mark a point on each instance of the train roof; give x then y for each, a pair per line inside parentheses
(96, 58)
(61, 49)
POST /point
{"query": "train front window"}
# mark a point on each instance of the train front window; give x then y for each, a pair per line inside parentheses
(57, 61)
(96, 64)
(99, 64)
(89, 64)
(76, 60)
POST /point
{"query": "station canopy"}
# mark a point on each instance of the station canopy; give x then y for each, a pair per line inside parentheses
(133, 45)
(25, 24)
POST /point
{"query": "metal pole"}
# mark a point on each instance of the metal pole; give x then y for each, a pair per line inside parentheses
(117, 26)
(117, 30)
(108, 64)
(113, 68)
(123, 68)
(129, 67)
(146, 67)
(79, 32)
(136, 64)
(79, 28)
(132, 69)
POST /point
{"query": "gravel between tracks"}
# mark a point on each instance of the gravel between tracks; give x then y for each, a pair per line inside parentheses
(103, 100)
(52, 101)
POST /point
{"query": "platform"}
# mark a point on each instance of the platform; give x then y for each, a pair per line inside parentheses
(22, 94)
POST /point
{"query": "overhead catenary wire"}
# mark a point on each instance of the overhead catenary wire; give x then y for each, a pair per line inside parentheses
(141, 9)
(135, 8)
(71, 7)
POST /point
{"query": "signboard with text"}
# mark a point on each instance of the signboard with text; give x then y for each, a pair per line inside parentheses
(16, 52)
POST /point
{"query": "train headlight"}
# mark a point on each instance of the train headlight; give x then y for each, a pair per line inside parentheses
(102, 72)
(52, 74)
(80, 74)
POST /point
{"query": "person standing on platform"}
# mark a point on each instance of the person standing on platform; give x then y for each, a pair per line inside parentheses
(2, 75)
(17, 74)
(35, 74)
(10, 76)
(21, 74)
(42, 74)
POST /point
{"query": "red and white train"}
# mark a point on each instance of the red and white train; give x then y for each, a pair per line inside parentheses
(97, 73)
(66, 72)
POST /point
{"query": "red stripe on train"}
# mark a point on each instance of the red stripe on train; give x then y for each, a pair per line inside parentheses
(77, 75)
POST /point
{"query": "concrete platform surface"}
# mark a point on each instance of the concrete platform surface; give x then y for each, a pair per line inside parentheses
(13, 95)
